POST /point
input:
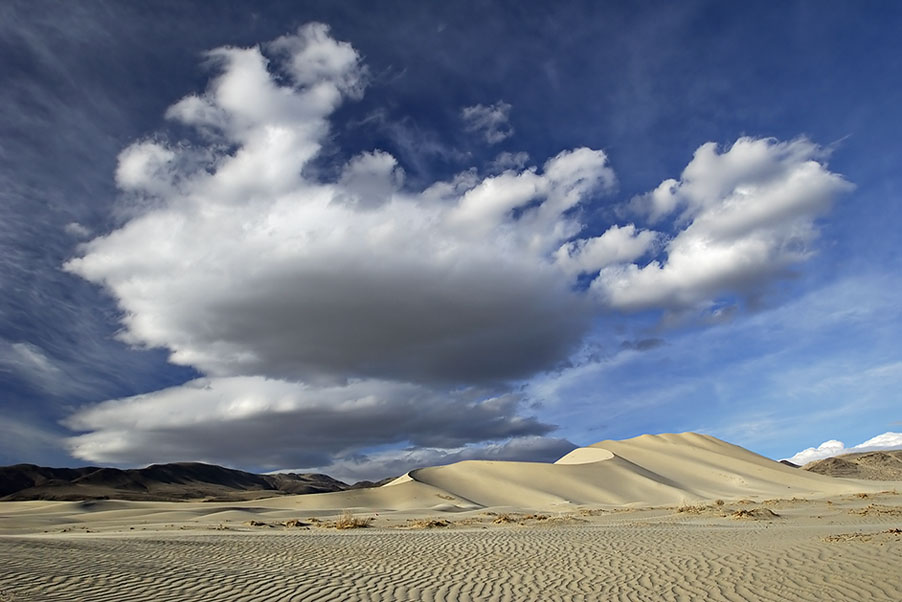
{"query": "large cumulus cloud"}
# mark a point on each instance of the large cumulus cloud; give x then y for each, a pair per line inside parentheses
(297, 296)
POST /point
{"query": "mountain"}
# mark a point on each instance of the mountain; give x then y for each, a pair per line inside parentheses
(161, 482)
(873, 465)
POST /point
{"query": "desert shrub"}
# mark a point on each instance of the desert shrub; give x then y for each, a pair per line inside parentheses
(349, 521)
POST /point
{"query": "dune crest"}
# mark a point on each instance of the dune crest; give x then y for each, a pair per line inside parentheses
(645, 470)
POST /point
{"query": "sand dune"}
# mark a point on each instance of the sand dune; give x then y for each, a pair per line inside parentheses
(648, 470)
(663, 517)
(874, 465)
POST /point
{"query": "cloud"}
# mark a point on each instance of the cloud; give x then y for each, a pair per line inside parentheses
(387, 463)
(240, 265)
(831, 448)
(492, 121)
(505, 161)
(274, 423)
(77, 230)
(31, 364)
(618, 245)
(747, 215)
(334, 315)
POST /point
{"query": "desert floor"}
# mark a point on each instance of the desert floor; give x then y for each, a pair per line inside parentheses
(845, 547)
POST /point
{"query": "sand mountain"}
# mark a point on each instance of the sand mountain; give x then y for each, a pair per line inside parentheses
(650, 470)
(873, 465)
(177, 481)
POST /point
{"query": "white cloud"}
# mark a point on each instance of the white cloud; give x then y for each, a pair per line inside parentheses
(747, 216)
(619, 244)
(505, 161)
(77, 230)
(264, 422)
(831, 448)
(296, 296)
(492, 121)
(240, 264)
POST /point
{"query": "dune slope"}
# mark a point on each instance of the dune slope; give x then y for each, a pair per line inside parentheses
(646, 470)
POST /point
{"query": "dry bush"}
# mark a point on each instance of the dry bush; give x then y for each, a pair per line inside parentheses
(719, 502)
(349, 521)
(862, 495)
(294, 523)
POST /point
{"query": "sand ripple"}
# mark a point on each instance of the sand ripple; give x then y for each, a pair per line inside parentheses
(655, 562)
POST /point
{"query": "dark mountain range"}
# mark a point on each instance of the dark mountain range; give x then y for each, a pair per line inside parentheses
(158, 482)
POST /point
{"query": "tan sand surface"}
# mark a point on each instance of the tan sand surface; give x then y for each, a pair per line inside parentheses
(665, 517)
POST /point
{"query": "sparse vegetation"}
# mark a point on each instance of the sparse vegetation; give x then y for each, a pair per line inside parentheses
(877, 509)
(348, 521)
(428, 523)
(518, 519)
(755, 513)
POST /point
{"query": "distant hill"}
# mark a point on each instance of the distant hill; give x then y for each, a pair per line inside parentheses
(158, 482)
(873, 465)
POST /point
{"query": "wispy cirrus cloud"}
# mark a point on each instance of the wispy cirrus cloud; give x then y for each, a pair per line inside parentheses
(491, 121)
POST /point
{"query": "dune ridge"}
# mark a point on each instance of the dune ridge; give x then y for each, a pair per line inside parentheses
(646, 470)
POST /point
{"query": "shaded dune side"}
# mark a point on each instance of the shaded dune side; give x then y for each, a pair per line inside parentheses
(646, 470)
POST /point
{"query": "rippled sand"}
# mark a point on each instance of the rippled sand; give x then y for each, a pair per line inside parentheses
(845, 548)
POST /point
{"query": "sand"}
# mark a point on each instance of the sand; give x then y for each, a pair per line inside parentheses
(669, 517)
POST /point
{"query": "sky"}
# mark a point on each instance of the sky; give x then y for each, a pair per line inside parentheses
(358, 239)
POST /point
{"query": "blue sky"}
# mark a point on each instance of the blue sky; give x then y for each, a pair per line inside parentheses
(341, 238)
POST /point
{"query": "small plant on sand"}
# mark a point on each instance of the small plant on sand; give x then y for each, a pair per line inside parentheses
(349, 521)
(719, 502)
